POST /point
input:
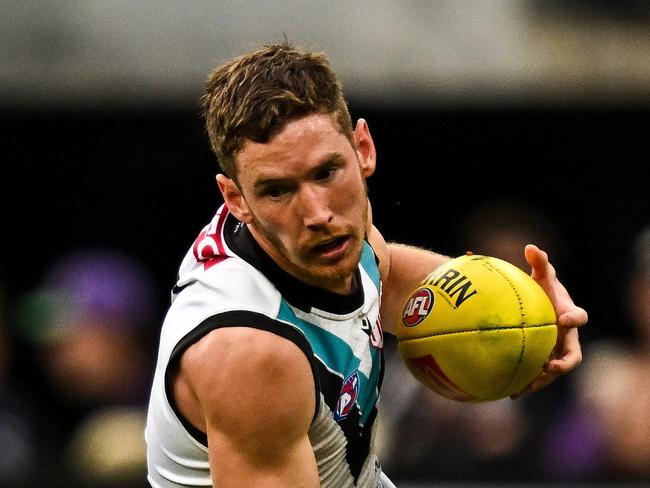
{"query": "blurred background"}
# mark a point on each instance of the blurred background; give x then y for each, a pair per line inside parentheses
(497, 122)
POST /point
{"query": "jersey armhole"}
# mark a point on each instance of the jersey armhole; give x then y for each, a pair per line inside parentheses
(236, 318)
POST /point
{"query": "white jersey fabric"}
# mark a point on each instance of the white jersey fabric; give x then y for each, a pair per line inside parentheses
(227, 280)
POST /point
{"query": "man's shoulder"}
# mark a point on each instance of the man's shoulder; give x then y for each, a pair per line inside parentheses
(243, 347)
(230, 287)
(235, 282)
(248, 366)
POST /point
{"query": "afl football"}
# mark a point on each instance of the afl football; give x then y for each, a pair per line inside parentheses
(477, 329)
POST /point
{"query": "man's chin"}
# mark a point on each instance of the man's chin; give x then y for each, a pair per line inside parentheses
(337, 276)
(334, 281)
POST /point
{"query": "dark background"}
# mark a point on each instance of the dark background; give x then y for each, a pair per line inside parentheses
(143, 182)
(541, 104)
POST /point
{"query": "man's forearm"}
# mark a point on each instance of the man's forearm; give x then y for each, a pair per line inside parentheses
(409, 265)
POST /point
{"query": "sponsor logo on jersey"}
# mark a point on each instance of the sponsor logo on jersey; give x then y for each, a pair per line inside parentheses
(375, 332)
(418, 307)
(348, 397)
(208, 247)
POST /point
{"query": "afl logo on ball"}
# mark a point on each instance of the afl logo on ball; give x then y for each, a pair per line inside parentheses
(417, 307)
(348, 396)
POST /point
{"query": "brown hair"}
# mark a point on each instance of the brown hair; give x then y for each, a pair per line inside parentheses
(255, 95)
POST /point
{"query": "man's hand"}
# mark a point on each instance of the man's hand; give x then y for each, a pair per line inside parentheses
(567, 354)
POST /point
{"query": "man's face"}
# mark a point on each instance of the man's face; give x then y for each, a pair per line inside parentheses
(304, 197)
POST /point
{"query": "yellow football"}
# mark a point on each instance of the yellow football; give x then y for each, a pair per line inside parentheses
(477, 329)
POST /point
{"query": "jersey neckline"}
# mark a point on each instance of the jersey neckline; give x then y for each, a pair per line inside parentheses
(298, 293)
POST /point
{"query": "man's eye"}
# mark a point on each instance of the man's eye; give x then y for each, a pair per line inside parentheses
(325, 173)
(274, 191)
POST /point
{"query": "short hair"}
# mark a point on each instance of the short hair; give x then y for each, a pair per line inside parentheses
(255, 95)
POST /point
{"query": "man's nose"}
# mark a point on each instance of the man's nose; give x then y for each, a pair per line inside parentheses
(315, 206)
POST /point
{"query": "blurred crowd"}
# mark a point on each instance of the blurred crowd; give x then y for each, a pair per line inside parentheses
(75, 365)
(77, 353)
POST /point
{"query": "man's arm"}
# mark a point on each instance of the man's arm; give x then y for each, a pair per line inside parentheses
(401, 268)
(253, 393)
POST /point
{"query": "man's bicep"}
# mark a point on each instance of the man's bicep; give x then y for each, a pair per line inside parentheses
(401, 268)
(256, 392)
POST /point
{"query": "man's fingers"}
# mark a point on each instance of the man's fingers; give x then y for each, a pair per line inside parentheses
(542, 270)
(564, 364)
(574, 317)
(567, 354)
(534, 253)
(566, 357)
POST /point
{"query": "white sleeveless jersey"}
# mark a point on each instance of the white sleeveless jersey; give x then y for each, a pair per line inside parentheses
(227, 280)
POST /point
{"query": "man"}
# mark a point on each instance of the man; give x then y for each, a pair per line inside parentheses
(270, 360)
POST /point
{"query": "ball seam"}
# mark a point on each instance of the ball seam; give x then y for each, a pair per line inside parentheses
(486, 329)
(522, 327)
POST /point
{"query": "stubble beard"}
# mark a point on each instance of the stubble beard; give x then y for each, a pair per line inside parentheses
(315, 273)
(330, 276)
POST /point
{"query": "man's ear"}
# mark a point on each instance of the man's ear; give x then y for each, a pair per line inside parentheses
(234, 198)
(365, 148)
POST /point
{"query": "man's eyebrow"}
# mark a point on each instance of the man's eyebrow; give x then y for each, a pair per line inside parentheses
(264, 182)
(333, 158)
